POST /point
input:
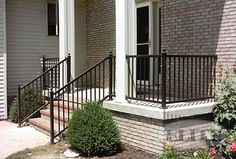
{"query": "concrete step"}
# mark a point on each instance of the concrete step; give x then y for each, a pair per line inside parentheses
(61, 116)
(42, 125)
(67, 105)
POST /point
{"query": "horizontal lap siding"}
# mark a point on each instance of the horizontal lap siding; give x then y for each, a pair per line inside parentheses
(27, 41)
(2, 63)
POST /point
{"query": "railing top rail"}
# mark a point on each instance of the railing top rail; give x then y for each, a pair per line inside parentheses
(82, 74)
(44, 73)
(145, 56)
(168, 55)
(191, 55)
(53, 58)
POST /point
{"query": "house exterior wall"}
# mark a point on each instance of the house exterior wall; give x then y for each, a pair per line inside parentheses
(200, 27)
(27, 41)
(80, 37)
(153, 135)
(3, 91)
(100, 30)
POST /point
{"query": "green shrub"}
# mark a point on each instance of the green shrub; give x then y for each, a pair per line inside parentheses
(202, 154)
(171, 154)
(225, 110)
(93, 131)
(30, 102)
(13, 111)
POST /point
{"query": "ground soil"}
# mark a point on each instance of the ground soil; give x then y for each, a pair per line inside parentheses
(56, 152)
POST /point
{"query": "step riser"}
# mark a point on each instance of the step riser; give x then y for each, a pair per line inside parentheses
(61, 110)
(46, 132)
(42, 124)
(55, 120)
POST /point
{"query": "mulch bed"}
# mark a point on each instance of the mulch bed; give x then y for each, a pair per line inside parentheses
(56, 152)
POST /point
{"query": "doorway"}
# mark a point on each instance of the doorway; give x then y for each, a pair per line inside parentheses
(143, 42)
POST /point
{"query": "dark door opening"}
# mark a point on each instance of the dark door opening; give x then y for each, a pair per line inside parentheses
(143, 69)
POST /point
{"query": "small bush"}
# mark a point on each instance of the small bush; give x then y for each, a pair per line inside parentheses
(202, 154)
(225, 110)
(93, 131)
(30, 102)
(171, 154)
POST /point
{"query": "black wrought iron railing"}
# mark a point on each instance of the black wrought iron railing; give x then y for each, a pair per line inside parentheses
(95, 84)
(47, 63)
(50, 79)
(171, 78)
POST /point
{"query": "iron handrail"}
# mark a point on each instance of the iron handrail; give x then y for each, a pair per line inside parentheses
(83, 81)
(182, 78)
(39, 83)
(82, 74)
(44, 73)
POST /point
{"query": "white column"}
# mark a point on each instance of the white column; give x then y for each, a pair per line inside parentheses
(71, 33)
(63, 48)
(67, 33)
(63, 29)
(121, 50)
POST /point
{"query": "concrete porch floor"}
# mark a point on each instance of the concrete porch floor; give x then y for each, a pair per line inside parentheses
(14, 139)
(155, 111)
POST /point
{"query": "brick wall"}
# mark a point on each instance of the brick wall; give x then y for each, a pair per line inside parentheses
(152, 134)
(203, 27)
(188, 27)
(100, 30)
(200, 27)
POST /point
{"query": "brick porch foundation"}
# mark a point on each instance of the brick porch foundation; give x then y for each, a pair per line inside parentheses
(152, 134)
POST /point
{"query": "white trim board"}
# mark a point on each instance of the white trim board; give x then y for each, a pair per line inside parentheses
(4, 56)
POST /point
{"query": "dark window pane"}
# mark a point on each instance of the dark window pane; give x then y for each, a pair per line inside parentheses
(143, 25)
(51, 19)
(143, 63)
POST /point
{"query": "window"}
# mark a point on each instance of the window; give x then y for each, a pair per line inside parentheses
(53, 26)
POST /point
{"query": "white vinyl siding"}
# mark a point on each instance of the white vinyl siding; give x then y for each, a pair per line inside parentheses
(3, 100)
(27, 41)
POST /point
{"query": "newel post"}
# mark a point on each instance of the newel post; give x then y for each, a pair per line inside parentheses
(44, 69)
(110, 76)
(19, 106)
(163, 79)
(51, 118)
(68, 70)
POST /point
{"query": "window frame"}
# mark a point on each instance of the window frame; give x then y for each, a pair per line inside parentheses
(54, 2)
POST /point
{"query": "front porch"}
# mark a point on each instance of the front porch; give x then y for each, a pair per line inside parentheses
(145, 87)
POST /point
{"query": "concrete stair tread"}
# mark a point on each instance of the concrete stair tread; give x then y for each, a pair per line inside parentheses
(46, 112)
(67, 105)
(42, 124)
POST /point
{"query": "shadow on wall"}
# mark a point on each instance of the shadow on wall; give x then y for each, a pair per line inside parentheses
(192, 27)
(197, 28)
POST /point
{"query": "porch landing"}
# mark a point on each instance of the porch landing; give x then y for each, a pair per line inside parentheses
(155, 111)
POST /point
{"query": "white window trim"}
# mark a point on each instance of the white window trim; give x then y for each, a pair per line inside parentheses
(57, 16)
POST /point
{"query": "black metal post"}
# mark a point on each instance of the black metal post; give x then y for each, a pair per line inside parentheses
(163, 80)
(44, 69)
(51, 118)
(110, 76)
(19, 106)
(68, 70)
